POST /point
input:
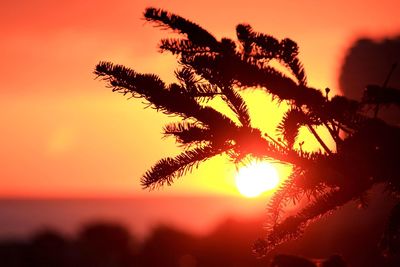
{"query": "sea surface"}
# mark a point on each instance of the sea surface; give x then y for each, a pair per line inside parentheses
(20, 218)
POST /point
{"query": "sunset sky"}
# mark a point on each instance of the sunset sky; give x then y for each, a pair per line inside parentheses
(64, 134)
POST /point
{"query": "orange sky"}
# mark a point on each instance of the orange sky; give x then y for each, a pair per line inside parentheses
(64, 134)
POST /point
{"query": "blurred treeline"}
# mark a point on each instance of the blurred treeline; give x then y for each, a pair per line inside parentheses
(352, 233)
(105, 244)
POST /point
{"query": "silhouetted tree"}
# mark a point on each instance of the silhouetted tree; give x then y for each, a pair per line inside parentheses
(106, 245)
(168, 247)
(334, 261)
(289, 261)
(109, 244)
(365, 151)
(48, 248)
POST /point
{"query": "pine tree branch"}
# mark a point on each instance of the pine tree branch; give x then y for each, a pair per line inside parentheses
(237, 105)
(166, 170)
(293, 226)
(334, 134)
(172, 100)
(319, 139)
(194, 32)
(259, 46)
(290, 125)
(188, 133)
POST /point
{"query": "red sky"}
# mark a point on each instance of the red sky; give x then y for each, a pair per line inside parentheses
(64, 134)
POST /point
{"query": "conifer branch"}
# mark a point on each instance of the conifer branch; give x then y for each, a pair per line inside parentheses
(319, 139)
(293, 226)
(172, 100)
(188, 133)
(193, 31)
(166, 170)
(366, 155)
(237, 105)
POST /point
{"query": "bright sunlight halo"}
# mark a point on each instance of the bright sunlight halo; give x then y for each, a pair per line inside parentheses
(255, 178)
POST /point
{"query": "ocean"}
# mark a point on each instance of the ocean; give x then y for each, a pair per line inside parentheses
(20, 218)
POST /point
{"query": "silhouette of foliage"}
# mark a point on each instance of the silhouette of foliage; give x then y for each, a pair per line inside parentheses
(101, 244)
(364, 153)
(106, 245)
(48, 248)
(289, 260)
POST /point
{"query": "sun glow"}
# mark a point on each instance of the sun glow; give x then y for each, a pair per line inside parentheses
(255, 178)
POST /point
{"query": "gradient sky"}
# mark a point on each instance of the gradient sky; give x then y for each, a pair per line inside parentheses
(64, 134)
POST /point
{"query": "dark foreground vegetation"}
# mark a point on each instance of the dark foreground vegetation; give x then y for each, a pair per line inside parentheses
(112, 245)
(105, 244)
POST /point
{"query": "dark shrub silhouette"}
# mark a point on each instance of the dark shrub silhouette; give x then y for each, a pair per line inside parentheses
(169, 247)
(334, 261)
(290, 260)
(230, 243)
(48, 248)
(13, 253)
(106, 245)
(227, 245)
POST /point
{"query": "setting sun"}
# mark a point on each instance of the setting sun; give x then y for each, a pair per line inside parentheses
(255, 178)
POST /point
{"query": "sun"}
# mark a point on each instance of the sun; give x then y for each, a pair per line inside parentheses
(255, 178)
